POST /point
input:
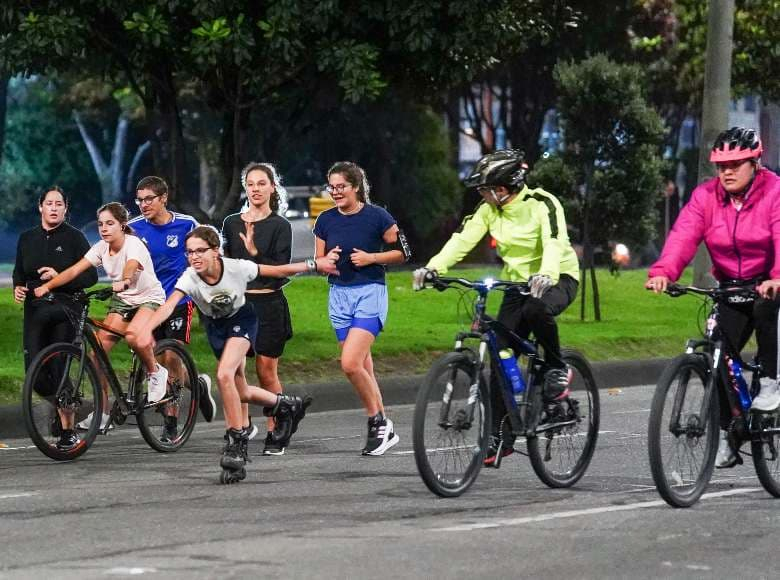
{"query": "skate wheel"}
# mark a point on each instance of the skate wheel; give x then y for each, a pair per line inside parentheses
(227, 477)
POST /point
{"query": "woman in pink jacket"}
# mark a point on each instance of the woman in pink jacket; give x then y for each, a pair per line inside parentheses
(737, 215)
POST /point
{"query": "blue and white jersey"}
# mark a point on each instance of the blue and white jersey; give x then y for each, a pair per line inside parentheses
(166, 245)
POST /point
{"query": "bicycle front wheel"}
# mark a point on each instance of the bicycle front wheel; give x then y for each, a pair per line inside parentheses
(60, 390)
(565, 439)
(682, 441)
(451, 424)
(766, 454)
(167, 425)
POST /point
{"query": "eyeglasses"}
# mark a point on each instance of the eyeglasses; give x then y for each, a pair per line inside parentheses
(139, 201)
(337, 188)
(196, 252)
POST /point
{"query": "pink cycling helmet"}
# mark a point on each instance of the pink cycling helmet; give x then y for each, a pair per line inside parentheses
(735, 144)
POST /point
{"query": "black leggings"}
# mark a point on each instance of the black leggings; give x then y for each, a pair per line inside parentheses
(45, 323)
(524, 314)
(737, 322)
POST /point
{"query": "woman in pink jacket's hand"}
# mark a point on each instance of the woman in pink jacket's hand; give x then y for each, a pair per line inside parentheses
(737, 215)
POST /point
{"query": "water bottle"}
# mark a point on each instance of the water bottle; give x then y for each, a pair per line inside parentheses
(740, 385)
(512, 372)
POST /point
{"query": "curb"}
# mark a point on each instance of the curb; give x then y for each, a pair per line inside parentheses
(396, 390)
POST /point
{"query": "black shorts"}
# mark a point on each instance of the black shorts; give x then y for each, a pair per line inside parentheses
(243, 324)
(274, 327)
(177, 325)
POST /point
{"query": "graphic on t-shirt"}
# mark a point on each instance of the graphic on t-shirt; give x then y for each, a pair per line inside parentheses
(172, 241)
(221, 305)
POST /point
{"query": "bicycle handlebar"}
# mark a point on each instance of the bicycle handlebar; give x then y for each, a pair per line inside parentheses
(444, 282)
(99, 294)
(676, 290)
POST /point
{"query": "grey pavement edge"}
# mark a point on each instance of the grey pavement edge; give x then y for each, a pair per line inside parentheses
(396, 390)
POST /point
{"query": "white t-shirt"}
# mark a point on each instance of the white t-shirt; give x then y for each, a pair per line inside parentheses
(144, 287)
(223, 298)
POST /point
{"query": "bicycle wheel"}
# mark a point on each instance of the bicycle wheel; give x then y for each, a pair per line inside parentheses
(766, 454)
(167, 425)
(566, 434)
(681, 442)
(59, 385)
(451, 424)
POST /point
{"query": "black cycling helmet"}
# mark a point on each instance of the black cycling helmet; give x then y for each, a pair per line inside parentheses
(506, 167)
(735, 144)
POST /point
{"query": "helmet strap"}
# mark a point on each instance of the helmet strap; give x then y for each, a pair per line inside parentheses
(500, 200)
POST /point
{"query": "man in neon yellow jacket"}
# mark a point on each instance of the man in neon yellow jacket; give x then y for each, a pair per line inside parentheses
(530, 231)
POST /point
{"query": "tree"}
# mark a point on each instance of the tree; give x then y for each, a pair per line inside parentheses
(613, 140)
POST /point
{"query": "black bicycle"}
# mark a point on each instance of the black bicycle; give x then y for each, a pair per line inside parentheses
(65, 383)
(452, 416)
(685, 413)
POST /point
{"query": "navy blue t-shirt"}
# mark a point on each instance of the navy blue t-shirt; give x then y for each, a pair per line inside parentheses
(362, 230)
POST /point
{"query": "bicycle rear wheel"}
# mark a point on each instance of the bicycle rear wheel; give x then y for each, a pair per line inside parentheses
(567, 431)
(681, 442)
(166, 426)
(451, 424)
(766, 454)
(58, 385)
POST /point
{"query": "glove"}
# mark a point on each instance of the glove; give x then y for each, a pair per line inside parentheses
(539, 284)
(420, 276)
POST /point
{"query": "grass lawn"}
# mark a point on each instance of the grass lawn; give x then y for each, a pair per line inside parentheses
(635, 324)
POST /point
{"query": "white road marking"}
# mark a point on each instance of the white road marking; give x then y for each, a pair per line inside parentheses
(14, 495)
(630, 412)
(585, 512)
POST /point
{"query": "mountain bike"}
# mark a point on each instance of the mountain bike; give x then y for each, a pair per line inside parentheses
(453, 411)
(685, 413)
(67, 380)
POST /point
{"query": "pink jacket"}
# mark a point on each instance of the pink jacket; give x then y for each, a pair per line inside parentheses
(743, 244)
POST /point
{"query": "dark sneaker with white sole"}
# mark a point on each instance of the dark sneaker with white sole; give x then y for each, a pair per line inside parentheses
(381, 435)
(208, 406)
(273, 446)
(68, 440)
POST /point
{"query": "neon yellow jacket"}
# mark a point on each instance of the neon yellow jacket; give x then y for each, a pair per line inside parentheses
(530, 232)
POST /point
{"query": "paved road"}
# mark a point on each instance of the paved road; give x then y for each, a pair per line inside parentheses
(323, 511)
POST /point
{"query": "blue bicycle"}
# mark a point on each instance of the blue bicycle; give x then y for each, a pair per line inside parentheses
(452, 416)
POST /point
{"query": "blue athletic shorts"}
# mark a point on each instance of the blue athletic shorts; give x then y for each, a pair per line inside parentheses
(242, 324)
(363, 306)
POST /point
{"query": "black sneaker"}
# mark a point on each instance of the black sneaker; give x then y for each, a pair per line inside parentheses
(208, 406)
(273, 446)
(492, 451)
(170, 430)
(381, 435)
(68, 440)
(556, 385)
(288, 412)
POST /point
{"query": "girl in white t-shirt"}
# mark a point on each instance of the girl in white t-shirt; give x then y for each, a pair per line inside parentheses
(137, 294)
(217, 286)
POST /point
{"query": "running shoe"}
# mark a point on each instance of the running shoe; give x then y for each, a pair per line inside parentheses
(381, 435)
(208, 406)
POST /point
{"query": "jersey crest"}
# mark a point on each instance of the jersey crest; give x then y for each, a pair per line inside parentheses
(172, 241)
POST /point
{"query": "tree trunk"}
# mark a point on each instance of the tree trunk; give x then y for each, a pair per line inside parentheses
(587, 251)
(715, 112)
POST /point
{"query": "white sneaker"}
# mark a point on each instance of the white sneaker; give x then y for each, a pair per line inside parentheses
(84, 425)
(726, 457)
(768, 398)
(158, 384)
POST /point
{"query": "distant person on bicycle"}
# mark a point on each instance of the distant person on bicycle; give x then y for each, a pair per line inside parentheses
(163, 231)
(737, 215)
(530, 230)
(137, 294)
(262, 234)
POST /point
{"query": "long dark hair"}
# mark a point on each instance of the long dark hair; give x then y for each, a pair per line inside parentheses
(278, 201)
(355, 175)
(45, 192)
(120, 214)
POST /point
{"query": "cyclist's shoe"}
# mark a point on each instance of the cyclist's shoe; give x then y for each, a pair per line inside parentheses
(726, 457)
(251, 430)
(492, 452)
(158, 384)
(208, 406)
(233, 458)
(84, 425)
(768, 398)
(170, 430)
(273, 446)
(381, 435)
(556, 385)
(288, 412)
(68, 440)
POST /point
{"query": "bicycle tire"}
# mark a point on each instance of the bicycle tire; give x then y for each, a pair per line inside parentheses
(561, 456)
(183, 386)
(447, 462)
(41, 416)
(767, 468)
(679, 477)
